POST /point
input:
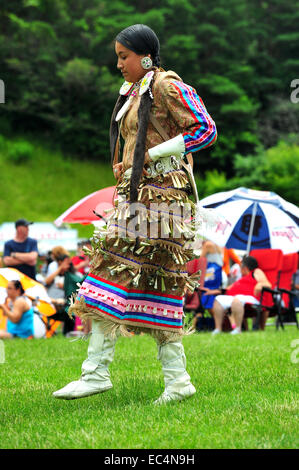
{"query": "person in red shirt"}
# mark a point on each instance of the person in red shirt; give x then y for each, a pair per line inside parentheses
(81, 261)
(245, 290)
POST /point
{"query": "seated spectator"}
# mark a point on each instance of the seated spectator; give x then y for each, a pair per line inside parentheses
(54, 254)
(21, 321)
(46, 259)
(212, 286)
(71, 278)
(53, 278)
(214, 275)
(212, 252)
(235, 273)
(81, 260)
(245, 290)
(212, 282)
(230, 257)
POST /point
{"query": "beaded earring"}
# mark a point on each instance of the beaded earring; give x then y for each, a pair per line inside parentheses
(146, 63)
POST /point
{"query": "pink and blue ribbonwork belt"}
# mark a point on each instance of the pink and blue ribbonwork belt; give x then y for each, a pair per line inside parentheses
(132, 305)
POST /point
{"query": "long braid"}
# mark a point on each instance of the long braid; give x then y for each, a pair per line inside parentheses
(139, 152)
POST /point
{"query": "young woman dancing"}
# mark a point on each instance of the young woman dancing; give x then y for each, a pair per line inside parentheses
(139, 277)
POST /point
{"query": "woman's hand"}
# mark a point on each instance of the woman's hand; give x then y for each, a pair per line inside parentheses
(5, 309)
(262, 281)
(211, 291)
(257, 289)
(64, 266)
(5, 305)
(186, 291)
(118, 167)
(147, 160)
(118, 170)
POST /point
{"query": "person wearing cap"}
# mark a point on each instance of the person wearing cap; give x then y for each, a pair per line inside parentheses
(21, 252)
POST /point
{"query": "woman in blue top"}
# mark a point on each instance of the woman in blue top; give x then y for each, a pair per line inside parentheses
(18, 311)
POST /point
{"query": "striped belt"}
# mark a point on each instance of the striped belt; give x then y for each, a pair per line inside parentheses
(161, 166)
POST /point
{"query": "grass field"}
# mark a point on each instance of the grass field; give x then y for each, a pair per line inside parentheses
(247, 395)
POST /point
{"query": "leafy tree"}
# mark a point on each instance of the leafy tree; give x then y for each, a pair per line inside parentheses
(58, 62)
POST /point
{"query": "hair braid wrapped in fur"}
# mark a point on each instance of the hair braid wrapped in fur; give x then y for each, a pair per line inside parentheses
(139, 152)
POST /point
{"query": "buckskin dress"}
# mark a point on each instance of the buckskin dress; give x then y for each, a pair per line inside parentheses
(140, 285)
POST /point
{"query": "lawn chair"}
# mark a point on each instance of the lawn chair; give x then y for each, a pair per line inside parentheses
(3, 320)
(284, 287)
(50, 323)
(270, 262)
(46, 315)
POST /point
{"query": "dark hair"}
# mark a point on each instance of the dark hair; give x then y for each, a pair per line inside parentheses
(71, 268)
(18, 285)
(142, 40)
(250, 262)
(62, 257)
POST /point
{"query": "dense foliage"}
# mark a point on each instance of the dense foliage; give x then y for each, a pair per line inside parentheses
(58, 63)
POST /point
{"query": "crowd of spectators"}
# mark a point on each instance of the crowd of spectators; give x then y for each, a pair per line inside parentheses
(229, 283)
(58, 271)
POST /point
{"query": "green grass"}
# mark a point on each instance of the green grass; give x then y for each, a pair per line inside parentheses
(247, 395)
(48, 183)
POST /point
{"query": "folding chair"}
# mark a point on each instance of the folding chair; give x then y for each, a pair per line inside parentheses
(3, 320)
(284, 288)
(270, 262)
(48, 316)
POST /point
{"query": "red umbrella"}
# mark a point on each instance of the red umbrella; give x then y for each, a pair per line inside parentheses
(83, 211)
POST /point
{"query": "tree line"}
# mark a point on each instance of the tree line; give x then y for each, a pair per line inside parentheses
(58, 64)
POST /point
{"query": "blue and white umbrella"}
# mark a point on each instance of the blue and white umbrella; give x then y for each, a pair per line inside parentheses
(250, 219)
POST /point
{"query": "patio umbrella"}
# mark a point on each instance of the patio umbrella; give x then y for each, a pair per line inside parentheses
(250, 219)
(83, 211)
